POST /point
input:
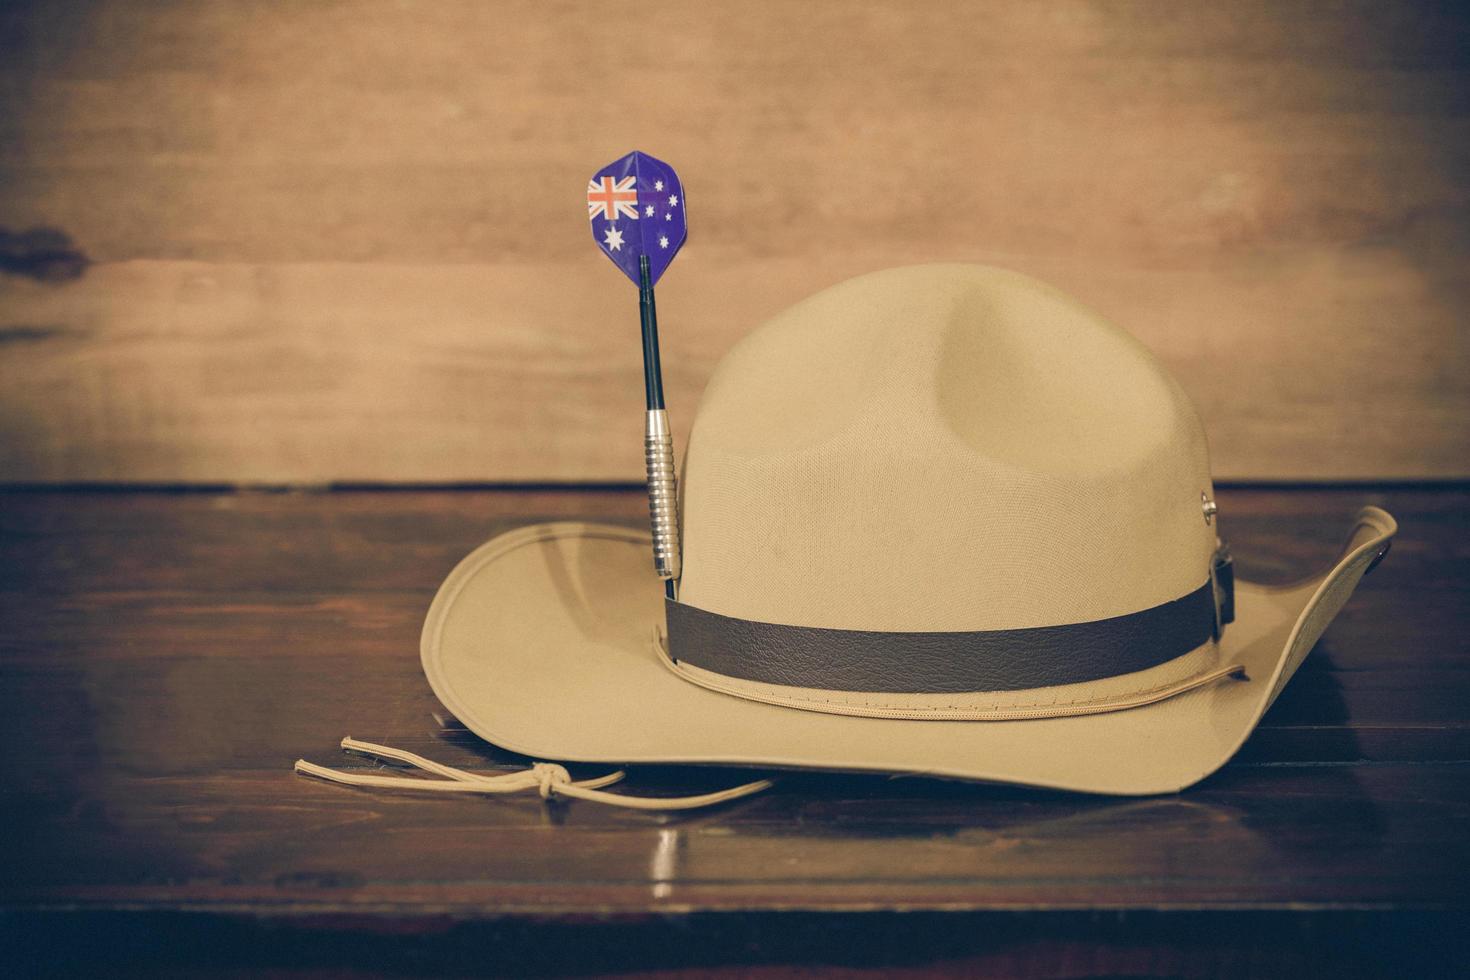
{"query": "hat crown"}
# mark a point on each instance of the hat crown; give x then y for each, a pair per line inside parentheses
(942, 448)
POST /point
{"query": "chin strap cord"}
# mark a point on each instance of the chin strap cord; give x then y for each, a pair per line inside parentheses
(547, 778)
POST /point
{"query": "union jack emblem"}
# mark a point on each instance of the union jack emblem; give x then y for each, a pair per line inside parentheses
(612, 199)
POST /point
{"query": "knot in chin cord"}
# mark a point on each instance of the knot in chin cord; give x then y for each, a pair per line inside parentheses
(547, 778)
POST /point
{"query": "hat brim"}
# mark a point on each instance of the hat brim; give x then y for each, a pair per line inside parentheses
(542, 641)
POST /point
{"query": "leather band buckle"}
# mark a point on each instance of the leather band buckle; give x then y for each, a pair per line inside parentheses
(1222, 585)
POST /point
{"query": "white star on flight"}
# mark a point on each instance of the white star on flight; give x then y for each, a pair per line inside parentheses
(648, 211)
(613, 239)
(669, 216)
(658, 185)
(663, 241)
(673, 200)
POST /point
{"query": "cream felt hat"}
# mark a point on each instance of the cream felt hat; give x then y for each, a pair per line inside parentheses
(937, 520)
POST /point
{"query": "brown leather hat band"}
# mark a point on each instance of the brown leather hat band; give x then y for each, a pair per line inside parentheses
(940, 663)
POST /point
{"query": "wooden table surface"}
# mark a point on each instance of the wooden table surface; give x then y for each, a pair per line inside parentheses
(166, 656)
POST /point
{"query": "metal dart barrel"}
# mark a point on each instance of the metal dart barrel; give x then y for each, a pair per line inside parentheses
(663, 513)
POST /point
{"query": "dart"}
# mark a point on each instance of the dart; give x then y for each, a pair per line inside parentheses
(636, 206)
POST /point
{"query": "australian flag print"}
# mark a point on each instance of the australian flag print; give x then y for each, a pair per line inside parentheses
(636, 205)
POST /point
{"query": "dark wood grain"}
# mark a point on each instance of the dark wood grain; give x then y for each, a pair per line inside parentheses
(165, 657)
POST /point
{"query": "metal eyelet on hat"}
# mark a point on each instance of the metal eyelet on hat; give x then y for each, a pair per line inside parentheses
(1209, 507)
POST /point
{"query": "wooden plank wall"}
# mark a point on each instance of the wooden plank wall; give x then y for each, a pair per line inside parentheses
(311, 242)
